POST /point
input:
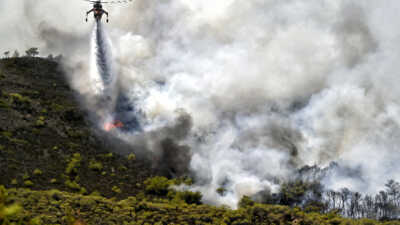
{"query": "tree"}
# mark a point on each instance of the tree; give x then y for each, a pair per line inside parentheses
(333, 197)
(300, 193)
(32, 52)
(393, 190)
(58, 58)
(16, 54)
(245, 201)
(382, 200)
(369, 207)
(344, 196)
(354, 207)
(7, 54)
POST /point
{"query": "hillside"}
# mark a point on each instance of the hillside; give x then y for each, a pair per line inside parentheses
(46, 142)
(56, 169)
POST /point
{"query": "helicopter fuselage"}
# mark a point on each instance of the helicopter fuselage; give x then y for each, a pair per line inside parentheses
(98, 12)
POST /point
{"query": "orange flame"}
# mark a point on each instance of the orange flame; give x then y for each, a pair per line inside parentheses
(111, 126)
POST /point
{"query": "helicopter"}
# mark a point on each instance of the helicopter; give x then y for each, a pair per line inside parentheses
(98, 10)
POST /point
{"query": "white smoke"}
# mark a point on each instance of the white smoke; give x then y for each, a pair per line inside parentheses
(270, 86)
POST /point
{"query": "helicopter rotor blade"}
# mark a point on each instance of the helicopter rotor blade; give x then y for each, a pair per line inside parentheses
(110, 2)
(117, 2)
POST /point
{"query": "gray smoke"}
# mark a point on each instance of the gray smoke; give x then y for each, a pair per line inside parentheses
(241, 94)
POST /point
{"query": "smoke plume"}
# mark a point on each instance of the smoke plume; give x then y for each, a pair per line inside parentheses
(241, 94)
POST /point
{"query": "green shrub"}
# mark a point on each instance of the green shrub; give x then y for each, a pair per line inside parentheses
(245, 202)
(73, 164)
(18, 98)
(53, 181)
(108, 155)
(25, 176)
(56, 107)
(131, 157)
(6, 134)
(18, 141)
(28, 183)
(182, 180)
(189, 197)
(157, 185)
(36, 221)
(72, 185)
(75, 133)
(95, 193)
(82, 191)
(40, 122)
(4, 104)
(9, 136)
(116, 189)
(96, 166)
(7, 211)
(37, 172)
(3, 194)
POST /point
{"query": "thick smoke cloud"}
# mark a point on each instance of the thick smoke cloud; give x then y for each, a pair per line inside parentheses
(242, 93)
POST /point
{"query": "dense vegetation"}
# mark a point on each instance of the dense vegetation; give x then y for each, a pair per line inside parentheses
(55, 170)
(24, 206)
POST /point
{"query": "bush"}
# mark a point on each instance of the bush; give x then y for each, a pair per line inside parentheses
(189, 197)
(18, 98)
(3, 195)
(131, 157)
(73, 185)
(245, 202)
(157, 186)
(4, 104)
(40, 122)
(28, 183)
(96, 166)
(6, 211)
(73, 164)
(37, 172)
(116, 189)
